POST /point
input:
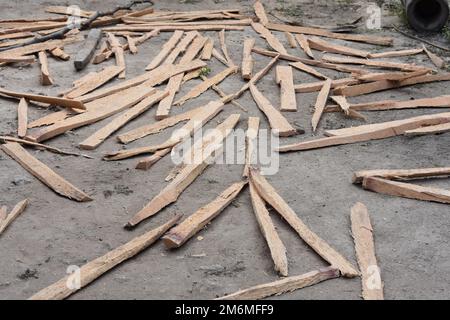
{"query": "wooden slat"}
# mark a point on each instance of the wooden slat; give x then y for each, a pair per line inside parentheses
(247, 59)
(391, 76)
(60, 54)
(207, 49)
(148, 162)
(280, 126)
(437, 129)
(15, 212)
(166, 49)
(303, 67)
(43, 46)
(117, 49)
(372, 287)
(284, 285)
(22, 118)
(132, 44)
(276, 246)
(167, 28)
(393, 54)
(100, 135)
(317, 86)
(224, 48)
(322, 45)
(374, 63)
(46, 80)
(402, 174)
(303, 42)
(97, 267)
(179, 235)
(270, 195)
(49, 119)
(181, 47)
(21, 59)
(43, 173)
(285, 79)
(270, 38)
(321, 102)
(251, 137)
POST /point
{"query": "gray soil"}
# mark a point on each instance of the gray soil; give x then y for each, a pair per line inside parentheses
(412, 237)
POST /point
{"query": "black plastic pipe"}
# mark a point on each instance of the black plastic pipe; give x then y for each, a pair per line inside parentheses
(427, 15)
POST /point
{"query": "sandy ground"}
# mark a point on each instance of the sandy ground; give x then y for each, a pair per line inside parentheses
(412, 237)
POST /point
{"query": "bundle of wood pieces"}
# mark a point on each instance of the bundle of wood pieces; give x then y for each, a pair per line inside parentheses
(184, 57)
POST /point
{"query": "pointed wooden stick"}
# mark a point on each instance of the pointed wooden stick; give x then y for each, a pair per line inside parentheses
(437, 129)
(181, 47)
(179, 235)
(402, 174)
(304, 44)
(22, 118)
(224, 48)
(117, 49)
(321, 102)
(437, 61)
(393, 54)
(43, 173)
(15, 212)
(97, 267)
(285, 285)
(303, 67)
(207, 49)
(285, 79)
(317, 86)
(132, 44)
(247, 60)
(322, 45)
(46, 80)
(276, 246)
(260, 13)
(166, 49)
(391, 76)
(270, 38)
(372, 286)
(374, 63)
(251, 138)
(148, 162)
(270, 195)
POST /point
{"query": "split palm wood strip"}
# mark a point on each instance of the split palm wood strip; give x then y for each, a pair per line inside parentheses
(391, 76)
(22, 118)
(247, 60)
(94, 269)
(402, 174)
(207, 50)
(291, 40)
(317, 86)
(186, 176)
(321, 102)
(41, 146)
(180, 234)
(156, 76)
(43, 173)
(406, 190)
(208, 112)
(46, 80)
(285, 79)
(100, 135)
(166, 49)
(181, 47)
(68, 103)
(322, 45)
(270, 38)
(280, 126)
(216, 54)
(256, 77)
(437, 61)
(251, 137)
(276, 246)
(437, 102)
(117, 49)
(94, 81)
(368, 132)
(303, 42)
(365, 88)
(175, 81)
(374, 63)
(148, 162)
(170, 28)
(362, 231)
(16, 211)
(303, 67)
(157, 126)
(285, 285)
(393, 54)
(33, 48)
(96, 111)
(228, 22)
(205, 85)
(270, 195)
(437, 129)
(22, 59)
(60, 54)
(224, 48)
(327, 34)
(260, 13)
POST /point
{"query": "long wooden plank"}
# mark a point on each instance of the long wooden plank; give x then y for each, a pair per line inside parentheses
(391, 76)
(406, 190)
(280, 126)
(437, 129)
(167, 28)
(394, 54)
(205, 85)
(207, 50)
(22, 59)
(3, 213)
(156, 127)
(208, 112)
(155, 77)
(247, 60)
(322, 45)
(376, 86)
(17, 35)
(22, 118)
(285, 79)
(291, 40)
(321, 102)
(304, 44)
(374, 63)
(97, 267)
(284, 285)
(251, 137)
(68, 103)
(100, 135)
(43, 173)
(327, 34)
(276, 246)
(270, 38)
(362, 231)
(94, 81)
(402, 174)
(270, 195)
(166, 49)
(317, 86)
(186, 176)
(15, 212)
(180, 234)
(96, 111)
(303, 67)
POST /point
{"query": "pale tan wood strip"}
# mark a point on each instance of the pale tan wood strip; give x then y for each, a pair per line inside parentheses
(46, 80)
(303, 67)
(117, 49)
(148, 162)
(321, 103)
(285, 79)
(291, 40)
(166, 49)
(181, 47)
(167, 28)
(374, 63)
(224, 47)
(402, 174)
(247, 59)
(393, 54)
(15, 212)
(322, 45)
(317, 86)
(132, 44)
(22, 59)
(33, 48)
(391, 76)
(22, 118)
(207, 50)
(251, 147)
(303, 42)
(441, 128)
(270, 38)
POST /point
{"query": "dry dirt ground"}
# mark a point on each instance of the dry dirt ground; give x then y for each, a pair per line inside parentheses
(412, 237)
